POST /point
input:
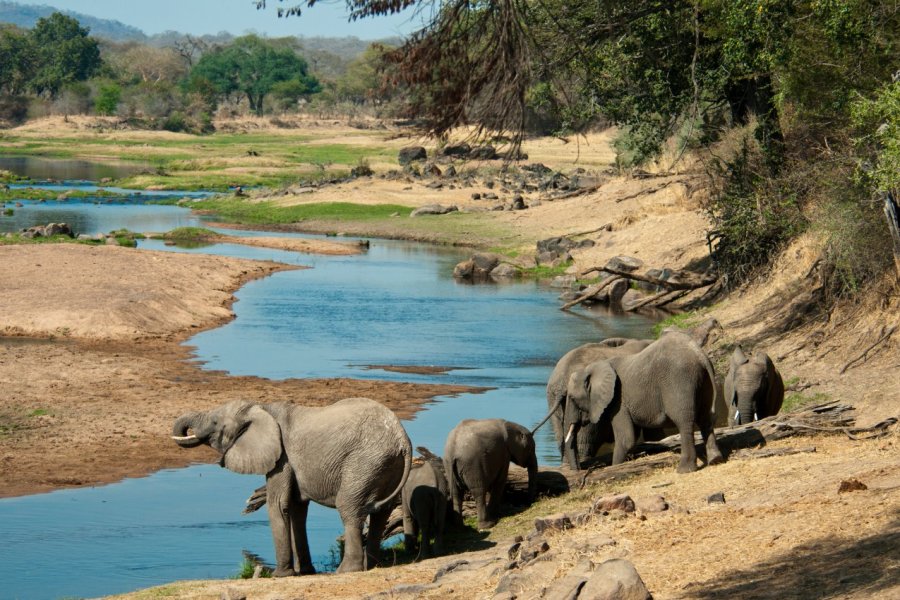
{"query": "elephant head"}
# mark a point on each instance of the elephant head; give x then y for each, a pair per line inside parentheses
(520, 443)
(246, 435)
(590, 391)
(753, 387)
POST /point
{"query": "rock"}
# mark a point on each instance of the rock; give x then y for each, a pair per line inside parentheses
(485, 262)
(405, 590)
(490, 196)
(450, 171)
(652, 504)
(476, 196)
(608, 503)
(538, 168)
(625, 263)
(483, 153)
(556, 244)
(462, 149)
(433, 209)
(557, 522)
(851, 485)
(411, 154)
(111, 241)
(566, 588)
(231, 593)
(431, 169)
(464, 270)
(563, 281)
(532, 551)
(569, 296)
(52, 229)
(504, 271)
(581, 519)
(615, 579)
(449, 568)
(617, 291)
(534, 203)
(518, 203)
(717, 498)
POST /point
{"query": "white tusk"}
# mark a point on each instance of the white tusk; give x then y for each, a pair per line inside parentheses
(737, 416)
(755, 417)
(185, 438)
(569, 433)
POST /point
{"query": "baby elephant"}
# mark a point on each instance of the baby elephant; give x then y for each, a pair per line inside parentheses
(477, 457)
(753, 388)
(425, 498)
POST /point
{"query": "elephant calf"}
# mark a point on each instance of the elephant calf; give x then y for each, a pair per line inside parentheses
(477, 457)
(753, 388)
(425, 499)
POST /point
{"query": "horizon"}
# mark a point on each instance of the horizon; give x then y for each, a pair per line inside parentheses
(207, 17)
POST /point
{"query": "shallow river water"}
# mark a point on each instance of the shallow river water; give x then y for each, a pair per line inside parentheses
(398, 304)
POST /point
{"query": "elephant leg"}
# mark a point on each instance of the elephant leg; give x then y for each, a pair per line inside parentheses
(493, 505)
(484, 521)
(377, 522)
(708, 434)
(440, 517)
(426, 518)
(303, 559)
(354, 558)
(623, 431)
(282, 509)
(409, 531)
(688, 463)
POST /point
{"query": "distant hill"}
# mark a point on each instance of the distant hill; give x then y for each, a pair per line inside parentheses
(27, 15)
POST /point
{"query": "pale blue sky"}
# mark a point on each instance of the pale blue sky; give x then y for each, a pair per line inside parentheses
(326, 18)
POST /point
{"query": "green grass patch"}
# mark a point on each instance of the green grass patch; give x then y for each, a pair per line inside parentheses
(680, 320)
(39, 412)
(17, 238)
(247, 569)
(8, 212)
(545, 271)
(241, 211)
(10, 177)
(54, 195)
(190, 234)
(796, 400)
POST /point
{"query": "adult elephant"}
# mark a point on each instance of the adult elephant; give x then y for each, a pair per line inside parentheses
(754, 388)
(670, 382)
(589, 437)
(476, 458)
(354, 456)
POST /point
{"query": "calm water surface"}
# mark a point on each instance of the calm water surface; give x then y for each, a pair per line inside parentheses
(43, 169)
(396, 305)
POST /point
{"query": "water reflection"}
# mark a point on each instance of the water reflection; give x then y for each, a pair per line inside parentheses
(41, 169)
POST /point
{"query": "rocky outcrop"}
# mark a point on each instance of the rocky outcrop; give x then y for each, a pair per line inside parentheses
(411, 154)
(48, 230)
(484, 266)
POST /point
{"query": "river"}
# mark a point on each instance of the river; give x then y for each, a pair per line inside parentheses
(398, 304)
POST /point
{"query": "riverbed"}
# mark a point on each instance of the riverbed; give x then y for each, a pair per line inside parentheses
(395, 305)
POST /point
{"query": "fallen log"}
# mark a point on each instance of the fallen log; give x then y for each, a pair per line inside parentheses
(685, 281)
(590, 293)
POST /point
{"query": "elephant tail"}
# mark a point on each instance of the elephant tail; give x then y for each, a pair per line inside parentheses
(549, 414)
(711, 371)
(406, 450)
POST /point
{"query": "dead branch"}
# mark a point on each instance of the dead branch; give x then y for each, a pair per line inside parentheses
(747, 453)
(676, 294)
(647, 300)
(649, 191)
(884, 336)
(687, 281)
(590, 293)
(575, 193)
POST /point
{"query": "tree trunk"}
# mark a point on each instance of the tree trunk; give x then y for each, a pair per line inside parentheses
(892, 214)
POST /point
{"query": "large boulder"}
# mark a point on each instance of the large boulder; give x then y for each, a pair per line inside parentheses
(461, 149)
(615, 579)
(411, 154)
(483, 153)
(628, 264)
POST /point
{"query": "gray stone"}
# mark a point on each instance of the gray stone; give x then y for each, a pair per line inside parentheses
(608, 503)
(615, 579)
(617, 291)
(534, 203)
(449, 568)
(485, 262)
(490, 196)
(231, 593)
(431, 169)
(504, 271)
(111, 241)
(557, 522)
(483, 153)
(518, 203)
(563, 281)
(717, 498)
(625, 263)
(410, 154)
(565, 588)
(476, 196)
(462, 149)
(652, 504)
(433, 209)
(450, 171)
(631, 297)
(464, 270)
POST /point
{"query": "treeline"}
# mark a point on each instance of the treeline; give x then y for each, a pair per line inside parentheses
(57, 67)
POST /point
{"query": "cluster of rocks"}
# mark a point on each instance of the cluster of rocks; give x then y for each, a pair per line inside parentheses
(463, 151)
(48, 230)
(555, 251)
(622, 293)
(484, 266)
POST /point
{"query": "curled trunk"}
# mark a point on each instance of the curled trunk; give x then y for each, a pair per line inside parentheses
(185, 423)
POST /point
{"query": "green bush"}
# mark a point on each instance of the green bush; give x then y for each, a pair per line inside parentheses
(107, 100)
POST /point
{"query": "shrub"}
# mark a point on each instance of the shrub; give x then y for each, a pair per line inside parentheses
(107, 100)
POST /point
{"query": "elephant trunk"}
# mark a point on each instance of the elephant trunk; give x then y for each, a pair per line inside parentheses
(747, 407)
(184, 423)
(532, 478)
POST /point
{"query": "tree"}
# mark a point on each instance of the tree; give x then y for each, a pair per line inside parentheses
(63, 53)
(17, 64)
(361, 82)
(253, 66)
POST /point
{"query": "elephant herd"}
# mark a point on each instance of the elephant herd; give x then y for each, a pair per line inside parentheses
(355, 455)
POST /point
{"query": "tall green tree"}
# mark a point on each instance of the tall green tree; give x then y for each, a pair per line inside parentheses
(16, 60)
(63, 53)
(253, 66)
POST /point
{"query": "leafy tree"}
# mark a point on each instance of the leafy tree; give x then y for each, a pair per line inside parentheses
(107, 100)
(17, 62)
(63, 53)
(362, 80)
(252, 66)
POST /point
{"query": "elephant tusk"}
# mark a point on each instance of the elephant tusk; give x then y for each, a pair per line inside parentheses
(569, 433)
(184, 438)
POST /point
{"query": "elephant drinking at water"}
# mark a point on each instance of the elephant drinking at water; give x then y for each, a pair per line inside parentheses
(353, 455)
(670, 382)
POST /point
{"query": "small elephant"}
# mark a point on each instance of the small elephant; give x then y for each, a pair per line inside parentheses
(671, 381)
(476, 458)
(589, 438)
(353, 455)
(753, 388)
(425, 499)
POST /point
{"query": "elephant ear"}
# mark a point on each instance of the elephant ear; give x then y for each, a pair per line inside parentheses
(602, 388)
(258, 449)
(775, 397)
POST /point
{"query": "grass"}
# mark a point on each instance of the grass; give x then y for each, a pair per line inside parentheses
(680, 320)
(57, 195)
(545, 272)
(797, 400)
(239, 211)
(247, 569)
(190, 234)
(39, 412)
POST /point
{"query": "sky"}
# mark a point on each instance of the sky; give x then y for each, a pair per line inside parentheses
(328, 18)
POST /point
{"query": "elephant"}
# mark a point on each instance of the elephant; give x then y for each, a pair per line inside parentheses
(424, 500)
(589, 437)
(353, 455)
(670, 382)
(476, 458)
(754, 388)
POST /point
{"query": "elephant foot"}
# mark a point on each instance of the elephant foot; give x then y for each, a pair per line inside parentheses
(716, 458)
(687, 467)
(348, 567)
(310, 570)
(483, 525)
(283, 572)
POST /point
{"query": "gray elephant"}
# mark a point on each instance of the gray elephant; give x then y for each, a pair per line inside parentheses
(476, 458)
(353, 455)
(753, 388)
(670, 382)
(425, 499)
(589, 437)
